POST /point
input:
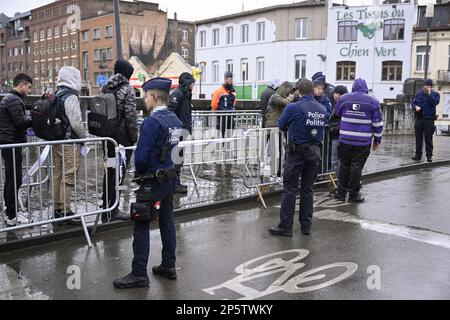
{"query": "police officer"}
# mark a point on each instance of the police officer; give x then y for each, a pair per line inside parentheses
(424, 106)
(305, 121)
(154, 162)
(180, 102)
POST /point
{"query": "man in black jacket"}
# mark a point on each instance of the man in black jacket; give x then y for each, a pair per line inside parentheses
(13, 126)
(180, 103)
(265, 98)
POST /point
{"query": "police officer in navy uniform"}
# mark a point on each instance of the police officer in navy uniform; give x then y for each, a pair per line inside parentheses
(305, 121)
(154, 163)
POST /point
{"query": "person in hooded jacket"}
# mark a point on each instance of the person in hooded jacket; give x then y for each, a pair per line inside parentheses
(180, 103)
(66, 157)
(265, 98)
(361, 127)
(127, 133)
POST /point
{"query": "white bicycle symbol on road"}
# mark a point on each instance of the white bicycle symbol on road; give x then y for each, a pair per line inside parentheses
(251, 270)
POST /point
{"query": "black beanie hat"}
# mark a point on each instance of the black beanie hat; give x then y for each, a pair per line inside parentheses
(124, 68)
(186, 79)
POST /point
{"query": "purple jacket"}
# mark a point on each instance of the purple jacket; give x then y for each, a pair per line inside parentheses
(361, 117)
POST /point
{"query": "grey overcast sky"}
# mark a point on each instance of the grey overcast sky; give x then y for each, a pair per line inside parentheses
(186, 9)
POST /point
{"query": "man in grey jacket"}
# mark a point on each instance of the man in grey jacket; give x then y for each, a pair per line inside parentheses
(66, 157)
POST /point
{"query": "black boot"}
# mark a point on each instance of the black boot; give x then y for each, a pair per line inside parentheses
(278, 231)
(430, 159)
(170, 273)
(131, 281)
(181, 189)
(340, 196)
(417, 158)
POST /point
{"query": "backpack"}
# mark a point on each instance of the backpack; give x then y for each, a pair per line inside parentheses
(103, 118)
(48, 119)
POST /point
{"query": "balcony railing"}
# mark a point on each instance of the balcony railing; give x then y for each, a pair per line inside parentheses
(444, 76)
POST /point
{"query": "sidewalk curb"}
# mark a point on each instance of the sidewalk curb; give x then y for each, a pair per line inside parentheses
(78, 232)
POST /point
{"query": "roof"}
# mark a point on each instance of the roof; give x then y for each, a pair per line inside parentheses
(20, 16)
(308, 3)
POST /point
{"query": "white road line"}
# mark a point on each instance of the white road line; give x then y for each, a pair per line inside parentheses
(14, 286)
(413, 233)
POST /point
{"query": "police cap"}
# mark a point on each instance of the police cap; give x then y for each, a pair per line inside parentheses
(157, 84)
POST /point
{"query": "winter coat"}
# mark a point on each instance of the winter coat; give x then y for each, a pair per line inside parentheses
(277, 103)
(13, 120)
(265, 98)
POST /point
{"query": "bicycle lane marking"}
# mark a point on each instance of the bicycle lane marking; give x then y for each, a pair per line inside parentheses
(14, 286)
(408, 232)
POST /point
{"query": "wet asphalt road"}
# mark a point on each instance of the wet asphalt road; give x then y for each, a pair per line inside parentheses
(394, 246)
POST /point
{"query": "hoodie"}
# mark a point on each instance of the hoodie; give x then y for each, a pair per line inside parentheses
(180, 101)
(361, 117)
(277, 103)
(127, 133)
(69, 86)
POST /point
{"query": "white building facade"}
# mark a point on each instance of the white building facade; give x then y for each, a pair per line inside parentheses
(285, 42)
(373, 43)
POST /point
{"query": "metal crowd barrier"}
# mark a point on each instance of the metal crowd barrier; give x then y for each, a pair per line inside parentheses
(264, 156)
(222, 124)
(82, 159)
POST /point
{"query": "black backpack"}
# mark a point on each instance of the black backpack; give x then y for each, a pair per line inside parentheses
(103, 118)
(48, 119)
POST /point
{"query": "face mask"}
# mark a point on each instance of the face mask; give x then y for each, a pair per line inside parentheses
(228, 86)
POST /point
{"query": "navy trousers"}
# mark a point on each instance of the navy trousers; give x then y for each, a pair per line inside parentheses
(304, 164)
(141, 232)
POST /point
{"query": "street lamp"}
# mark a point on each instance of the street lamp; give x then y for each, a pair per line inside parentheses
(118, 29)
(429, 14)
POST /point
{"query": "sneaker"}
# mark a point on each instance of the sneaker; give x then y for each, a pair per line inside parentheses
(75, 222)
(417, 158)
(356, 199)
(117, 215)
(278, 231)
(180, 189)
(170, 274)
(22, 218)
(429, 159)
(18, 220)
(131, 281)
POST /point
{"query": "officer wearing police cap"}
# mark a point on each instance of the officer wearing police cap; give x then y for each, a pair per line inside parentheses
(155, 168)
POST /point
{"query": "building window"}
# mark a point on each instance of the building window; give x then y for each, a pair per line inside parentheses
(49, 32)
(244, 33)
(74, 45)
(36, 50)
(230, 35)
(421, 57)
(56, 47)
(85, 64)
(301, 29)
(345, 70)
(64, 29)
(103, 54)
(229, 66)
(42, 50)
(42, 34)
(184, 35)
(347, 31)
(203, 69)
(392, 71)
(56, 31)
(35, 36)
(244, 70)
(394, 29)
(96, 55)
(185, 53)
(260, 69)
(109, 32)
(49, 49)
(215, 37)
(97, 34)
(85, 35)
(65, 46)
(202, 39)
(300, 66)
(261, 31)
(215, 69)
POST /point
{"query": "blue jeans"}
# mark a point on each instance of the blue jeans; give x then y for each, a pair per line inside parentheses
(302, 163)
(335, 162)
(141, 232)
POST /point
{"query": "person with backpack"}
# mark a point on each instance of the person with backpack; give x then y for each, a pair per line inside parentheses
(13, 126)
(180, 103)
(224, 100)
(125, 132)
(66, 156)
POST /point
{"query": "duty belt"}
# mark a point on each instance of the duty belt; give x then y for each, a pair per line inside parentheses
(168, 174)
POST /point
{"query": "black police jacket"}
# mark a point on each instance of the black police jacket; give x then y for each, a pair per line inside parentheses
(13, 120)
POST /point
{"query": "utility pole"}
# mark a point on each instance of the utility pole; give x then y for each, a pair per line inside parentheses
(118, 29)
